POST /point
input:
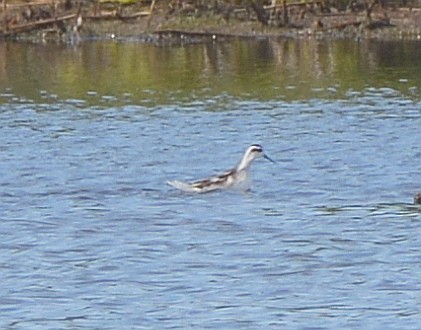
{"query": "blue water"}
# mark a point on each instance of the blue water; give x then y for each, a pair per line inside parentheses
(91, 237)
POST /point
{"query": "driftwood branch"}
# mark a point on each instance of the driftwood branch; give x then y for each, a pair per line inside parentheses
(151, 12)
(35, 25)
(262, 15)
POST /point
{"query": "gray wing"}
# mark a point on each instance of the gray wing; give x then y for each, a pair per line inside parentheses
(213, 183)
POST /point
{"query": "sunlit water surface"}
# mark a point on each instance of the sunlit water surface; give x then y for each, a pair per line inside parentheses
(91, 237)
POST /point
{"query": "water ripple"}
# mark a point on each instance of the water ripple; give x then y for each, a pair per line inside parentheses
(91, 237)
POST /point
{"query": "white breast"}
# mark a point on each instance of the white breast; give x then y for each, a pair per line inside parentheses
(241, 181)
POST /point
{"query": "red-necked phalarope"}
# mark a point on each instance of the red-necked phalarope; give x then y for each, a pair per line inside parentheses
(236, 178)
(417, 198)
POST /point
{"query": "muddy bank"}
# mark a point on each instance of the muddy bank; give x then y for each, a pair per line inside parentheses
(163, 22)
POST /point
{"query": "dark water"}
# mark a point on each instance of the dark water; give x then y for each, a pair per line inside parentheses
(92, 238)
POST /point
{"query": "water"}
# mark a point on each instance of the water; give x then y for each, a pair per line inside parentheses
(92, 238)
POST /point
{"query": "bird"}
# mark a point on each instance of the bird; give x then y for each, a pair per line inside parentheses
(417, 198)
(238, 178)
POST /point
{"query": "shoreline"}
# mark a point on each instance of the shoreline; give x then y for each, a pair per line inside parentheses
(159, 26)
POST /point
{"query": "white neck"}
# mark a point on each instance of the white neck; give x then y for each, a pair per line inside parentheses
(245, 162)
